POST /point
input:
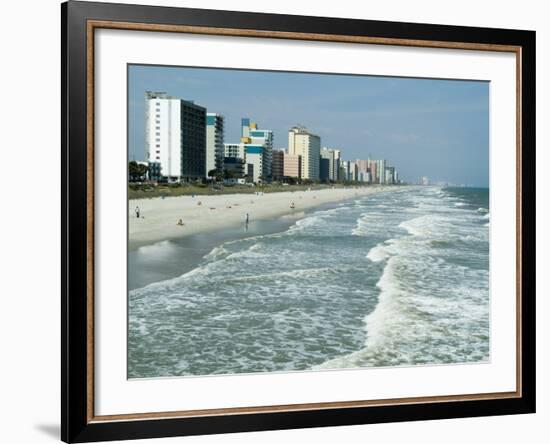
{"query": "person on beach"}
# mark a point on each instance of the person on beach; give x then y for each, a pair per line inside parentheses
(292, 206)
(137, 212)
(247, 219)
(180, 222)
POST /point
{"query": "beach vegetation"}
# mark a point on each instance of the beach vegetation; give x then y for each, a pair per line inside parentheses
(148, 191)
(137, 172)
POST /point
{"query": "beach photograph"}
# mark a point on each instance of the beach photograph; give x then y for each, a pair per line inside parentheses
(292, 221)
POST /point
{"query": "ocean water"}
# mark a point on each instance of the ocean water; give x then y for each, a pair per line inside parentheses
(395, 278)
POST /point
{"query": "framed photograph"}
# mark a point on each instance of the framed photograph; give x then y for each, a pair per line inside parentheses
(275, 221)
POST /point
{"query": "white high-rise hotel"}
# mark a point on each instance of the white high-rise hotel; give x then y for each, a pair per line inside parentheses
(302, 143)
(161, 144)
(175, 136)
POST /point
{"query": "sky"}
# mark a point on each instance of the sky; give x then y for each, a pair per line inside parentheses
(423, 127)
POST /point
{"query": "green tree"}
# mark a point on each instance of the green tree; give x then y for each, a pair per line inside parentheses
(133, 171)
(142, 172)
(215, 174)
(137, 171)
(228, 174)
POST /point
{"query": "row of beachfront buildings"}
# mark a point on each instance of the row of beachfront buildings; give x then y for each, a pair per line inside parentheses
(184, 142)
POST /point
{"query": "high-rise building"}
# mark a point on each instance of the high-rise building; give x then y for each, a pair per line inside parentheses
(362, 169)
(234, 150)
(214, 142)
(352, 171)
(349, 171)
(345, 170)
(324, 167)
(292, 165)
(154, 171)
(365, 177)
(255, 148)
(175, 136)
(333, 158)
(390, 172)
(255, 162)
(302, 143)
(234, 160)
(277, 164)
(336, 167)
(245, 126)
(373, 169)
(342, 170)
(234, 167)
(263, 138)
(381, 170)
(362, 165)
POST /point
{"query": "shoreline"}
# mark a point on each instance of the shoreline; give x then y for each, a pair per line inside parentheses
(280, 292)
(203, 214)
(171, 258)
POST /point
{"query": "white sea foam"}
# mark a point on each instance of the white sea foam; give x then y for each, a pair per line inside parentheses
(378, 253)
(217, 253)
(310, 221)
(371, 223)
(307, 272)
(408, 309)
(421, 226)
(362, 226)
(388, 315)
(309, 298)
(407, 320)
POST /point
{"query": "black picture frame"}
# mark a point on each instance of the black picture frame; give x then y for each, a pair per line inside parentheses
(76, 423)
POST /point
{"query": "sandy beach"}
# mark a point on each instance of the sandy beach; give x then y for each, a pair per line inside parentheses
(159, 217)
